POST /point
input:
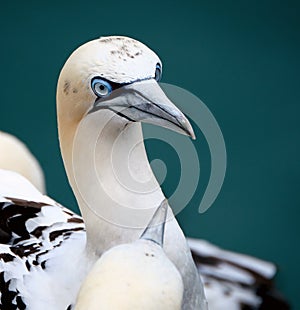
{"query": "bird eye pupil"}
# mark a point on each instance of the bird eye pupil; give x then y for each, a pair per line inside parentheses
(102, 89)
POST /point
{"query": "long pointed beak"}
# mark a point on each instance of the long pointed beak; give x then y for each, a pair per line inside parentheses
(156, 228)
(145, 101)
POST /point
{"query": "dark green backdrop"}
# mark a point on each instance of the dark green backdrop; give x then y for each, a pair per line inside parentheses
(240, 57)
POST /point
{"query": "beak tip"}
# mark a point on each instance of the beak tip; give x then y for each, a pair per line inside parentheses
(187, 127)
(189, 130)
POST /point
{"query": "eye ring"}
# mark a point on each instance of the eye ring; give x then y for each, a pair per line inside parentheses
(101, 88)
(158, 72)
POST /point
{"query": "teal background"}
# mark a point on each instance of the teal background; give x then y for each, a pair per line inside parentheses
(240, 57)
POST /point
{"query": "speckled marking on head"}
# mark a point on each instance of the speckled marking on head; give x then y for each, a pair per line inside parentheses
(67, 87)
(105, 39)
(120, 45)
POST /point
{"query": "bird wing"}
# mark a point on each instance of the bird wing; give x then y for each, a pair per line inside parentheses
(41, 248)
(235, 281)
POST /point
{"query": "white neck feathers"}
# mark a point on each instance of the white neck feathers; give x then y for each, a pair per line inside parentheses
(110, 175)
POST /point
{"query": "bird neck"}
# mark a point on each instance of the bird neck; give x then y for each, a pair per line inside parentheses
(109, 172)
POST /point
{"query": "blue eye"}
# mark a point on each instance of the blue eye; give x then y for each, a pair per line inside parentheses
(101, 88)
(158, 72)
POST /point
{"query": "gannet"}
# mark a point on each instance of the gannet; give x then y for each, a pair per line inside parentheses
(106, 88)
(15, 156)
(136, 275)
(44, 252)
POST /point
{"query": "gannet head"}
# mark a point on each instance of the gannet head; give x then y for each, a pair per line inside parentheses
(137, 275)
(121, 75)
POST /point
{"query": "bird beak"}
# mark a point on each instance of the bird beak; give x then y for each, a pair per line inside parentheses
(155, 230)
(145, 101)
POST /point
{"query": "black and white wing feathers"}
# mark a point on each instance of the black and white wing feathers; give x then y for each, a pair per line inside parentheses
(235, 281)
(41, 248)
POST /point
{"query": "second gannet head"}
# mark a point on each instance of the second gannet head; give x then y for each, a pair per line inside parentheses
(15, 156)
(137, 275)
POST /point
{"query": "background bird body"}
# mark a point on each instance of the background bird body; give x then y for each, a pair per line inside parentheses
(43, 257)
